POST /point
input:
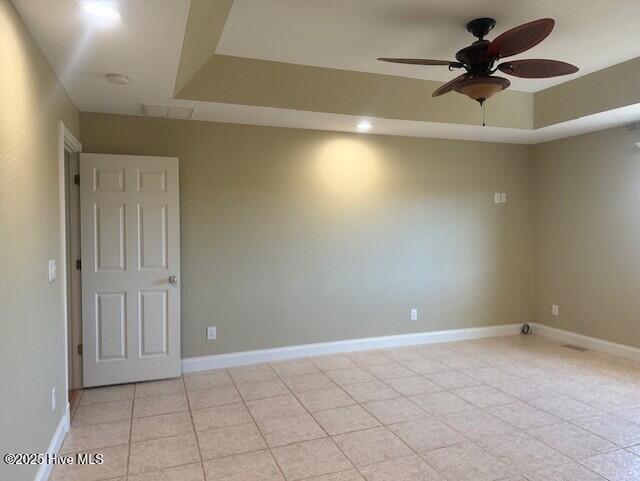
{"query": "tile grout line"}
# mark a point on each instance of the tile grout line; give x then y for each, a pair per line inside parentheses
(523, 431)
(193, 426)
(381, 424)
(316, 421)
(255, 422)
(571, 422)
(483, 410)
(415, 452)
(133, 402)
(577, 461)
(386, 427)
(160, 437)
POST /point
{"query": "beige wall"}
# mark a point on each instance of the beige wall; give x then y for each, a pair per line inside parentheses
(588, 190)
(610, 88)
(31, 342)
(246, 81)
(203, 31)
(293, 236)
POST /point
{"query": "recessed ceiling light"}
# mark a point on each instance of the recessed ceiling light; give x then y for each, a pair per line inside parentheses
(101, 9)
(364, 125)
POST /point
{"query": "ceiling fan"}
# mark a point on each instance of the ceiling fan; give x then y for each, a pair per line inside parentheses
(479, 59)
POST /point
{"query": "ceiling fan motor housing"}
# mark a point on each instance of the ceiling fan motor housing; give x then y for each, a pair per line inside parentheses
(480, 27)
(475, 57)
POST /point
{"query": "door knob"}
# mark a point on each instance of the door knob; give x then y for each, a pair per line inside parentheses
(173, 280)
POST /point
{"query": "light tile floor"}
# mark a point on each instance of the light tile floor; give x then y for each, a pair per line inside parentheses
(508, 409)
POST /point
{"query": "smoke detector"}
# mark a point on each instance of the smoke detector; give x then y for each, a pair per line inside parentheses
(167, 111)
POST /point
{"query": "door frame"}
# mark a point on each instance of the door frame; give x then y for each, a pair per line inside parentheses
(66, 142)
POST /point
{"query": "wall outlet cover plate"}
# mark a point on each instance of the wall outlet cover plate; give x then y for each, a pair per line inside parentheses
(211, 333)
(52, 270)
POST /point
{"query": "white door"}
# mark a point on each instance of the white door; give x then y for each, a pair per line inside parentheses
(130, 229)
(74, 278)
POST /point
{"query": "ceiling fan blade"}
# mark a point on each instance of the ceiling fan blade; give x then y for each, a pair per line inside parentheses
(537, 68)
(421, 61)
(450, 85)
(521, 38)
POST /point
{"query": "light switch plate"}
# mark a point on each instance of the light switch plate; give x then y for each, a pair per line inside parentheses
(555, 310)
(497, 198)
(211, 333)
(52, 270)
(414, 314)
(503, 197)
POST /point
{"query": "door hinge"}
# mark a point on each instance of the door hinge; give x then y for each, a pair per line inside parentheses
(76, 179)
(79, 349)
(78, 264)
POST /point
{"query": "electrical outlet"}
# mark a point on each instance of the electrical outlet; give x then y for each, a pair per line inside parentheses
(500, 198)
(555, 310)
(211, 333)
(53, 399)
(52, 270)
(414, 314)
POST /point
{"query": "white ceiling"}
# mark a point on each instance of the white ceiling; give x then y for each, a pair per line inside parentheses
(147, 42)
(351, 34)
(145, 45)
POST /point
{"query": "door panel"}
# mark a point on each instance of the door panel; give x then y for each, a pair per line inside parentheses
(153, 323)
(110, 234)
(152, 180)
(111, 329)
(152, 228)
(106, 179)
(131, 248)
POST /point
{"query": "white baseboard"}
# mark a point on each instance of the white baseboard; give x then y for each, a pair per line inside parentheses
(194, 364)
(54, 446)
(581, 340)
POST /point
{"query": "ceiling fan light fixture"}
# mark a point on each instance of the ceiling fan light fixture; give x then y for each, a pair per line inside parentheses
(479, 59)
(482, 88)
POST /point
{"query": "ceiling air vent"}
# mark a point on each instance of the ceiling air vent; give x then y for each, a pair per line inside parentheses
(167, 111)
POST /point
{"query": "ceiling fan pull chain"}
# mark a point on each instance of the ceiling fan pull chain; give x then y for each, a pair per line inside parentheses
(484, 113)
